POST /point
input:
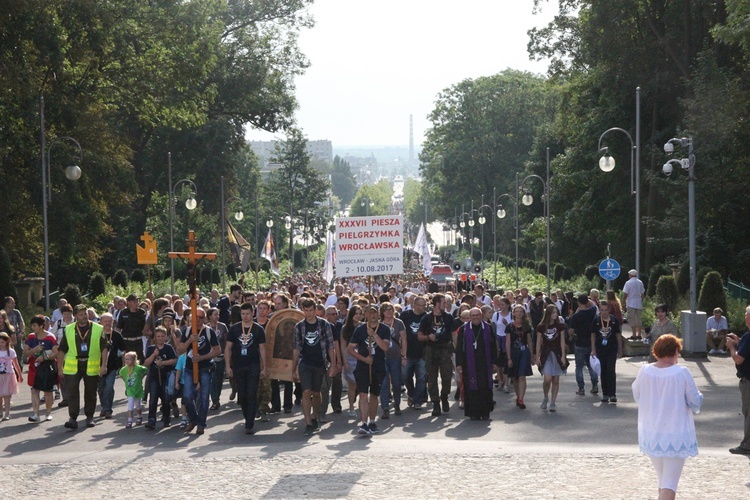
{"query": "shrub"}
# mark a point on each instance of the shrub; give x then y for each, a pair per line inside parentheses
(712, 294)
(657, 271)
(97, 285)
(120, 278)
(666, 292)
(541, 268)
(138, 275)
(205, 276)
(558, 272)
(701, 277)
(231, 271)
(72, 294)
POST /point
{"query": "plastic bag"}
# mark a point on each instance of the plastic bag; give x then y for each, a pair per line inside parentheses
(596, 365)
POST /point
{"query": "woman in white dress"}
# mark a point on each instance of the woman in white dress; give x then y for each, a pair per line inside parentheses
(667, 397)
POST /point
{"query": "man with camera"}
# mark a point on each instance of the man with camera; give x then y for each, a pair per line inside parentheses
(739, 349)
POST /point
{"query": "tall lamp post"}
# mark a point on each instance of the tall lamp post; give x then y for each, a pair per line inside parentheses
(72, 172)
(366, 204)
(607, 164)
(471, 230)
(501, 213)
(482, 220)
(190, 204)
(238, 215)
(692, 329)
(462, 224)
(527, 200)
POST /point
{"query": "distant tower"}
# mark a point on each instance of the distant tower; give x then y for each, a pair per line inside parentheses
(411, 140)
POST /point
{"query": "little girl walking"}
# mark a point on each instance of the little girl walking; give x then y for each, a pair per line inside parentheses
(10, 375)
(132, 374)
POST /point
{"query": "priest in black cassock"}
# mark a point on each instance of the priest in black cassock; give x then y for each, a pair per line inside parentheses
(476, 352)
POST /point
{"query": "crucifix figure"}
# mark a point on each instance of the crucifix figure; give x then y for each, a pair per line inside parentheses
(191, 259)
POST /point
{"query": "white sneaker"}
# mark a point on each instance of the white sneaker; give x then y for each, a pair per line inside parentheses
(48, 418)
(712, 351)
(352, 413)
(34, 418)
(552, 408)
(544, 404)
(721, 351)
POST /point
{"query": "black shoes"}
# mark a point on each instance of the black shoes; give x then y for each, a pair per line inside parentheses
(446, 405)
(71, 424)
(436, 409)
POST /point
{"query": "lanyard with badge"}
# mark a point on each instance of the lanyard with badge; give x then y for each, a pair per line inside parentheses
(605, 331)
(84, 346)
(246, 339)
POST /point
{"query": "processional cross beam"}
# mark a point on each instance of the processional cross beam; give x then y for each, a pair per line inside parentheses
(191, 259)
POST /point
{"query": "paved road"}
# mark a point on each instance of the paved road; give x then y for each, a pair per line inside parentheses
(586, 450)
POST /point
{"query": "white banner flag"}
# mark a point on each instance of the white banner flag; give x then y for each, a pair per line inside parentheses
(328, 264)
(423, 248)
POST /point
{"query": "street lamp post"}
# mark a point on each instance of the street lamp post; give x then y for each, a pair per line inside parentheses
(607, 164)
(190, 204)
(72, 172)
(366, 204)
(527, 200)
(501, 213)
(692, 322)
(238, 215)
(482, 220)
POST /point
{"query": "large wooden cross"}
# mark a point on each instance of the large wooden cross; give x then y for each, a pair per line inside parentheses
(191, 259)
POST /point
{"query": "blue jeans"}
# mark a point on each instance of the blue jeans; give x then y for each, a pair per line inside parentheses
(415, 366)
(582, 359)
(198, 416)
(392, 369)
(107, 390)
(217, 379)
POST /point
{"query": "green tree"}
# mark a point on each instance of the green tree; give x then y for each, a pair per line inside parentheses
(295, 189)
(712, 294)
(342, 181)
(7, 287)
(120, 278)
(131, 80)
(378, 196)
(666, 292)
(97, 285)
(72, 294)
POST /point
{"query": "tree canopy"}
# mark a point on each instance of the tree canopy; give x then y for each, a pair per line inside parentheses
(132, 81)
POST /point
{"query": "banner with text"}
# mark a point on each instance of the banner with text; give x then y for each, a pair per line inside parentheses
(369, 246)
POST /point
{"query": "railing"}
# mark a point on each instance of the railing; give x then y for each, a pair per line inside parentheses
(738, 290)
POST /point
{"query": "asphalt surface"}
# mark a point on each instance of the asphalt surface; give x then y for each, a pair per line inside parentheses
(585, 450)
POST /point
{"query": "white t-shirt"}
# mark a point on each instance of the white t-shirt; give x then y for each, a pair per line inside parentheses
(485, 300)
(635, 290)
(6, 361)
(501, 322)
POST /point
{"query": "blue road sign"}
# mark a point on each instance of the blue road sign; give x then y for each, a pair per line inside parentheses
(609, 269)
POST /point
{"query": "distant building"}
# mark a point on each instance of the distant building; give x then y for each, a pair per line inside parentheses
(319, 150)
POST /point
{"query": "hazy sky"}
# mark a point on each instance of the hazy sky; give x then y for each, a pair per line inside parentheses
(375, 63)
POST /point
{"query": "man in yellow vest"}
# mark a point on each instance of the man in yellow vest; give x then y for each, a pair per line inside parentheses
(83, 355)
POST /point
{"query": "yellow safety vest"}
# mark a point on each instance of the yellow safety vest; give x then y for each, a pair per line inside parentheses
(70, 367)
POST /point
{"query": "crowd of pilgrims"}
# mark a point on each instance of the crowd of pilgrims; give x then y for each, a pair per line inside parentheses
(363, 347)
